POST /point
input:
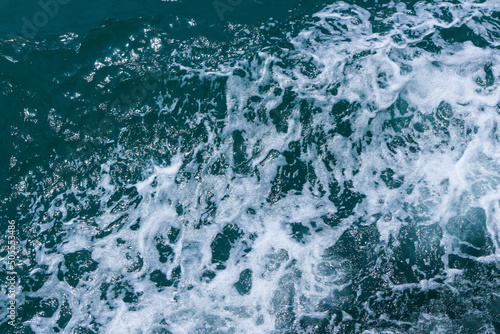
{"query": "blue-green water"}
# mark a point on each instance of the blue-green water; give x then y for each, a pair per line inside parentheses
(244, 166)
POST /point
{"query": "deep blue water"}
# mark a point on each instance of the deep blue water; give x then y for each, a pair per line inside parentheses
(250, 166)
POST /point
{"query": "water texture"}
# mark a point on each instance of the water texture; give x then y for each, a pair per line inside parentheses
(250, 166)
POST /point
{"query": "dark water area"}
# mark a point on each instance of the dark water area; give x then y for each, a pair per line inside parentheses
(38, 26)
(79, 17)
(249, 166)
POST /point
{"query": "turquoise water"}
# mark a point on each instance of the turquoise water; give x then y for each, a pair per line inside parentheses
(250, 166)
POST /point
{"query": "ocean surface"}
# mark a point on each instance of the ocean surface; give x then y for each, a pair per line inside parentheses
(249, 166)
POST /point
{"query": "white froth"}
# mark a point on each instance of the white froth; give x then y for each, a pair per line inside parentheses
(424, 79)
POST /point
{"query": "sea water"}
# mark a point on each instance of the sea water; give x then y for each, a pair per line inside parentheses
(336, 170)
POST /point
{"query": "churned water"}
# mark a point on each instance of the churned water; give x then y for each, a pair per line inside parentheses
(250, 166)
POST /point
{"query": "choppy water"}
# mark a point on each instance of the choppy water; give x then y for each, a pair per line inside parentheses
(291, 168)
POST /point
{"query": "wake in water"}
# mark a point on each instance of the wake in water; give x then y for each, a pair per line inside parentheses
(335, 174)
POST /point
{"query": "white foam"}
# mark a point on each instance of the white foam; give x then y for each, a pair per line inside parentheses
(197, 306)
